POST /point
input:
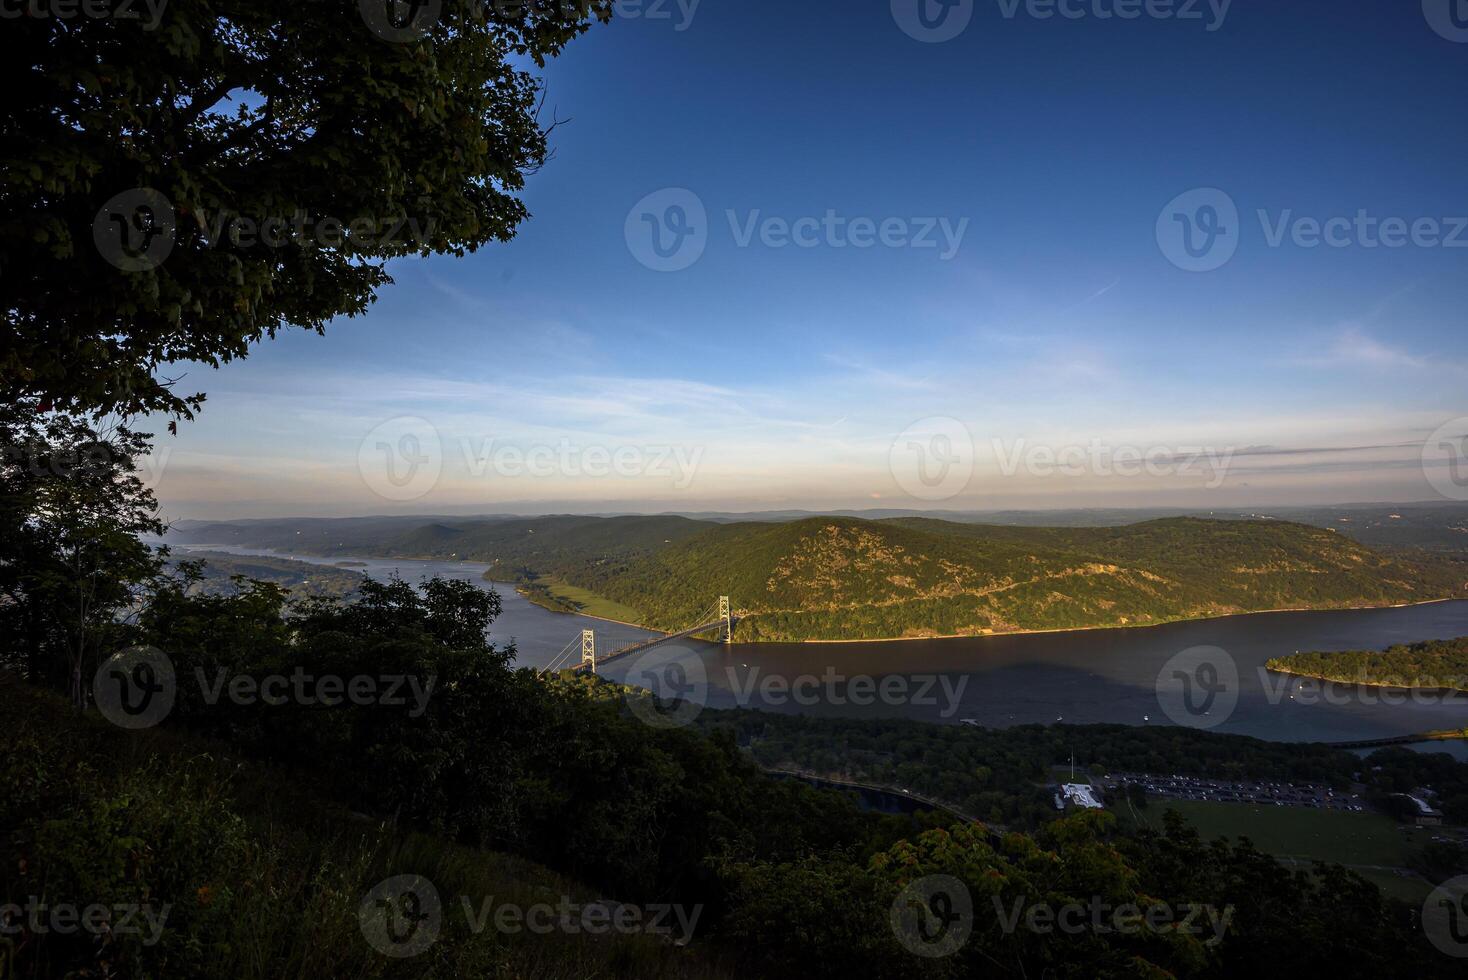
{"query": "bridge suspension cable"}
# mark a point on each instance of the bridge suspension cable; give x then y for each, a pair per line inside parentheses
(716, 616)
(561, 660)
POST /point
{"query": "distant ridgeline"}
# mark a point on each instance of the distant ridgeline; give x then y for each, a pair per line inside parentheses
(301, 578)
(1433, 664)
(849, 578)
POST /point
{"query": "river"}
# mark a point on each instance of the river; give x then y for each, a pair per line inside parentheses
(1080, 677)
(538, 633)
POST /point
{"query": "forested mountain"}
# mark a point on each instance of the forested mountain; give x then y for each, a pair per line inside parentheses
(848, 578)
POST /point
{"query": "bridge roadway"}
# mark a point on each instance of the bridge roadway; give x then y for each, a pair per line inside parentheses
(641, 645)
(1371, 743)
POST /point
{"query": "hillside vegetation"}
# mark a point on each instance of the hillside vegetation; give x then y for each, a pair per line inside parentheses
(847, 578)
(249, 869)
(850, 579)
(1433, 664)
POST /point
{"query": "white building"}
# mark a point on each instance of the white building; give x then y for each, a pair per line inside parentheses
(1080, 794)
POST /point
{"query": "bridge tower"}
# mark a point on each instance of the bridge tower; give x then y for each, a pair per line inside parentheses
(724, 618)
(588, 650)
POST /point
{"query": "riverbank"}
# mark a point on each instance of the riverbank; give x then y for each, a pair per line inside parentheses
(559, 590)
(1112, 626)
(1362, 682)
(556, 592)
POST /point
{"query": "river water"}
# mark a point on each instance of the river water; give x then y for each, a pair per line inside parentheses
(1079, 677)
(538, 633)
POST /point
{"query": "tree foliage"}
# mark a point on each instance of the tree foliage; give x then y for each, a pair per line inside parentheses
(1433, 664)
(175, 191)
(72, 504)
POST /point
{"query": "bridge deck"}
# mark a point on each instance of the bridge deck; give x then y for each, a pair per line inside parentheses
(641, 645)
(1371, 743)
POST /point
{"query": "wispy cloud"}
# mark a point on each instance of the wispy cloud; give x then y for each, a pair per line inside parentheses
(1355, 346)
(902, 378)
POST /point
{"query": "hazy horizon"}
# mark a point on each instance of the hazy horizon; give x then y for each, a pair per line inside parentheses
(549, 509)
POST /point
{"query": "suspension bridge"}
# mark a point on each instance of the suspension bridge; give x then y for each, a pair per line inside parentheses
(716, 617)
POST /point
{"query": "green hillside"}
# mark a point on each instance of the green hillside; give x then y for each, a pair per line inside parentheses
(849, 578)
(843, 578)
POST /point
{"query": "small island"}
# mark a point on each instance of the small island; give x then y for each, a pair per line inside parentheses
(1435, 664)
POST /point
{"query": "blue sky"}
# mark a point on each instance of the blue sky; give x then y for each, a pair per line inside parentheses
(762, 376)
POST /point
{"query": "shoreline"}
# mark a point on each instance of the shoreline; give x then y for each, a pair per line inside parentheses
(1378, 685)
(1128, 626)
(577, 612)
(573, 612)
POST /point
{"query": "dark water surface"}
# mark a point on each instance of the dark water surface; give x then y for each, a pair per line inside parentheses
(1111, 675)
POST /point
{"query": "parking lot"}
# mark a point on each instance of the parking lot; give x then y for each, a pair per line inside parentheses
(1313, 795)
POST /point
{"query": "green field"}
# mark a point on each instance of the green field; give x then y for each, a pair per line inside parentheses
(1369, 843)
(566, 598)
